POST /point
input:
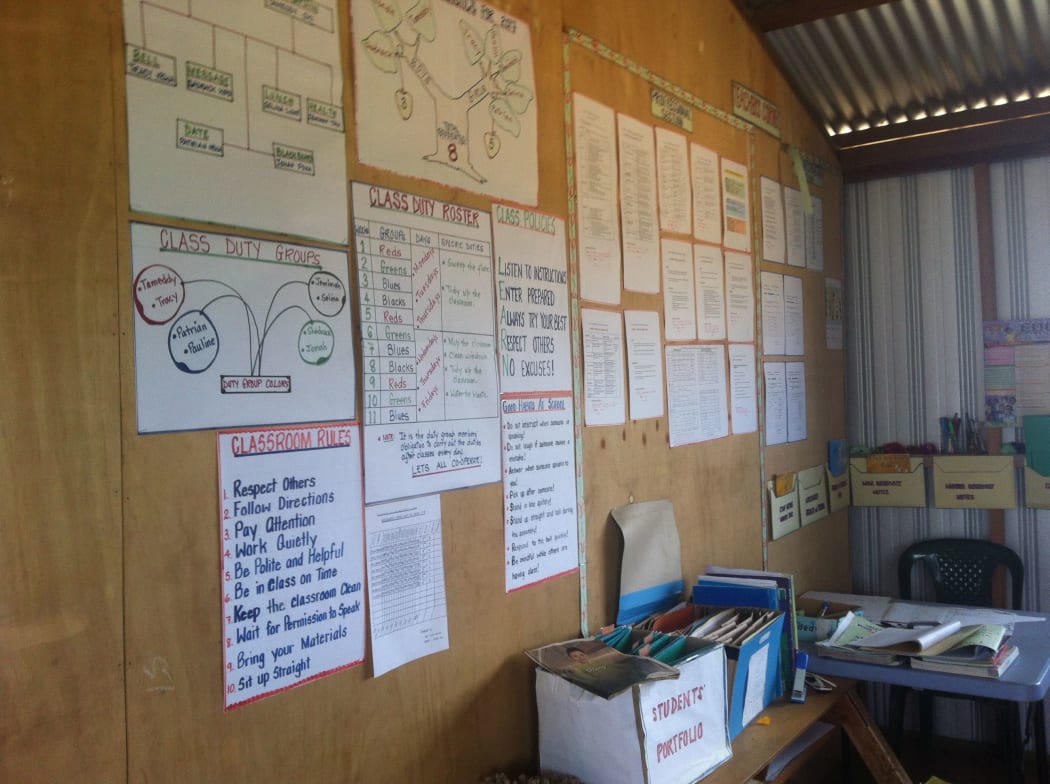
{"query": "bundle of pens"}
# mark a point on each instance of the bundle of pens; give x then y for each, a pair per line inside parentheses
(961, 435)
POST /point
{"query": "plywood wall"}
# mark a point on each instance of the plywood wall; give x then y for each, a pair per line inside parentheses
(110, 631)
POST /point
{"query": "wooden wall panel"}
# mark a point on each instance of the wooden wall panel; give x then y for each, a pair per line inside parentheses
(112, 537)
(61, 681)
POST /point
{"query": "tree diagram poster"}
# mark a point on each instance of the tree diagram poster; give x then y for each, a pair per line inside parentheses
(445, 92)
(233, 331)
(235, 113)
(428, 344)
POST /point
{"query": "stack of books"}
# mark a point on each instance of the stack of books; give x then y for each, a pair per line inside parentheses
(980, 650)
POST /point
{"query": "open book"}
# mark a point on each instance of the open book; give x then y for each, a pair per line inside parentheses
(982, 640)
(851, 628)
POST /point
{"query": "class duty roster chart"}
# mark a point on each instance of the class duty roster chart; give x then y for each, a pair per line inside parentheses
(431, 391)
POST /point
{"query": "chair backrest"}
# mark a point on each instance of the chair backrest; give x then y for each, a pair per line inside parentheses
(962, 570)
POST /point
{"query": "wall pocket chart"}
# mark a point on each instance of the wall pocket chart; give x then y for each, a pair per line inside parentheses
(428, 334)
(293, 568)
(235, 113)
(234, 331)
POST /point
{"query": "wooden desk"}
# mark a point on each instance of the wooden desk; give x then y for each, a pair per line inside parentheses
(758, 744)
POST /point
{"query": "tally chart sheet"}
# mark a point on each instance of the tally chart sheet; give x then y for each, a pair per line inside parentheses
(428, 337)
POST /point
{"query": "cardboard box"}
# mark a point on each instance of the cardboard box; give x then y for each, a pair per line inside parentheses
(1036, 489)
(660, 732)
(974, 482)
(875, 488)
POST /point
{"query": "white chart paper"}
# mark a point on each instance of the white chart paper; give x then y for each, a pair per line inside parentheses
(679, 290)
(235, 114)
(539, 489)
(639, 222)
(740, 298)
(815, 236)
(431, 390)
(603, 367)
(742, 393)
(794, 325)
(598, 210)
(710, 292)
(772, 314)
(776, 403)
(833, 313)
(736, 211)
(292, 562)
(773, 235)
(444, 92)
(645, 372)
(696, 394)
(406, 581)
(707, 194)
(794, 227)
(795, 381)
(234, 331)
(673, 180)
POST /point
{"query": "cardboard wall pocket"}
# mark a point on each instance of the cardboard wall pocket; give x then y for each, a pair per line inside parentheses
(812, 494)
(838, 490)
(1036, 489)
(871, 487)
(783, 510)
(660, 732)
(974, 482)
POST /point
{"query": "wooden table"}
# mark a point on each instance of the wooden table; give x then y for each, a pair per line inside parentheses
(759, 743)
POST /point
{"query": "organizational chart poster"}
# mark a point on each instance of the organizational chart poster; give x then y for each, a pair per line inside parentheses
(445, 92)
(235, 113)
(235, 331)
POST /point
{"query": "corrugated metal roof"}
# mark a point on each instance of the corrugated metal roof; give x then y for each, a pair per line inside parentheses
(880, 68)
(910, 60)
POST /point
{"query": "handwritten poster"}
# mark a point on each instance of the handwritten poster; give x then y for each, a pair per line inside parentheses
(406, 581)
(539, 489)
(431, 391)
(532, 295)
(234, 331)
(446, 92)
(235, 114)
(538, 421)
(292, 560)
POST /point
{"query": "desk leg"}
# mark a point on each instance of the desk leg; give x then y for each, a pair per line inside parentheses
(1040, 742)
(868, 740)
